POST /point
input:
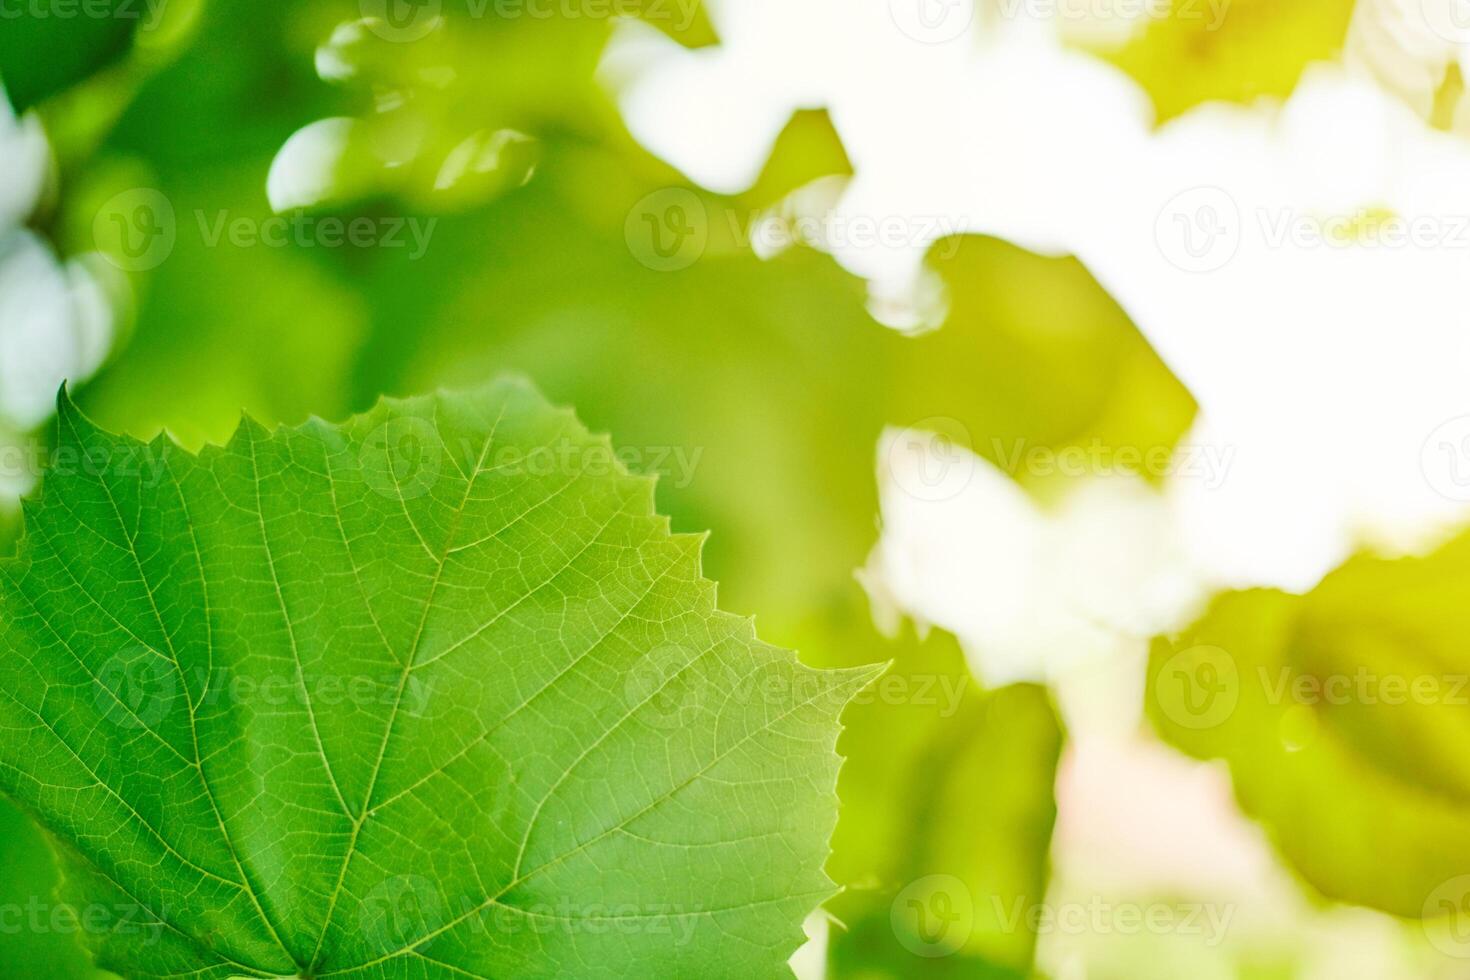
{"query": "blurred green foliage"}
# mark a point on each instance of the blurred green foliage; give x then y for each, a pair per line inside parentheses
(772, 371)
(947, 790)
(757, 387)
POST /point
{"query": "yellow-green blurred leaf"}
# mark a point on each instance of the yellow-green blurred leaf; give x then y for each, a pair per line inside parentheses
(1231, 50)
(1343, 715)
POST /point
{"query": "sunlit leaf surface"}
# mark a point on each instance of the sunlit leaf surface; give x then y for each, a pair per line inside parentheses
(430, 693)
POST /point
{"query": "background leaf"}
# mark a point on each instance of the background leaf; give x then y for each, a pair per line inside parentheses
(1341, 713)
(943, 842)
(42, 54)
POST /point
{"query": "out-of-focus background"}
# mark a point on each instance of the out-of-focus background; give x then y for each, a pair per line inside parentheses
(1104, 364)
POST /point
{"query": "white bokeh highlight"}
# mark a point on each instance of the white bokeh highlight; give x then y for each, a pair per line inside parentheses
(1239, 239)
(58, 319)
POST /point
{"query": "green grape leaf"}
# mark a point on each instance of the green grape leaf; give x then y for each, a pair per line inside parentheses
(431, 693)
(1342, 715)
